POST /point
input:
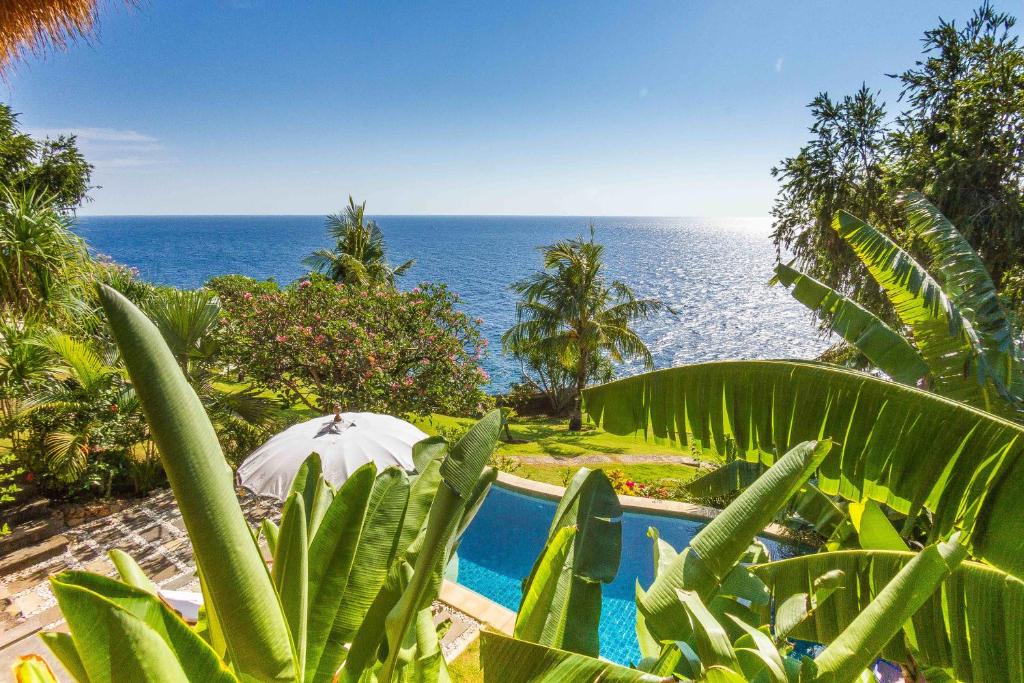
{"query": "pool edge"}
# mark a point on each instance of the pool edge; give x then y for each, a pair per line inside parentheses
(651, 506)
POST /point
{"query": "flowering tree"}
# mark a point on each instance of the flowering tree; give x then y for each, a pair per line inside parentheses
(322, 343)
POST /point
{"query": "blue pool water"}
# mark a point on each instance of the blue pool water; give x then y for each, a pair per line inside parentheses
(509, 531)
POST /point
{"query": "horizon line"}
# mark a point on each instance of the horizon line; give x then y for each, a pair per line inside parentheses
(405, 215)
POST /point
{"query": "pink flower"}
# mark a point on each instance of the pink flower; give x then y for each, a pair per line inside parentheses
(247, 296)
(415, 290)
(305, 283)
(630, 484)
(407, 381)
(281, 338)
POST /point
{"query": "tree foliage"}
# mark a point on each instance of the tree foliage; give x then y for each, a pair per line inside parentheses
(358, 256)
(958, 139)
(571, 320)
(323, 343)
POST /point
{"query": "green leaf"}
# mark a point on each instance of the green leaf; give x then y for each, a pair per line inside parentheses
(428, 450)
(963, 465)
(714, 551)
(974, 623)
(124, 633)
(316, 495)
(270, 532)
(63, 647)
(238, 582)
(947, 342)
(967, 283)
(507, 660)
(857, 646)
(729, 478)
(713, 645)
(460, 470)
(290, 572)
(886, 348)
(331, 555)
(130, 572)
(539, 591)
(874, 530)
(570, 593)
(378, 544)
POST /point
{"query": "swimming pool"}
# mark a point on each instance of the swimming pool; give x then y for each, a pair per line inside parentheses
(509, 531)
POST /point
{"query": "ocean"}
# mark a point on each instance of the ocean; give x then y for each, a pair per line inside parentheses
(712, 271)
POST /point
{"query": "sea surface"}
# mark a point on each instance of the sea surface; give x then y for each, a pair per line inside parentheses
(712, 271)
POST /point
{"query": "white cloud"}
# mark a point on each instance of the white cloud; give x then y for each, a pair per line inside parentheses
(109, 148)
(778, 64)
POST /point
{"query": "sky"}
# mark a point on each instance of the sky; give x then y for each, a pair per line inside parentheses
(579, 107)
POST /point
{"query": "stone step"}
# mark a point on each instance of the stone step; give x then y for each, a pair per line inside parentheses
(36, 508)
(22, 558)
(30, 533)
(455, 631)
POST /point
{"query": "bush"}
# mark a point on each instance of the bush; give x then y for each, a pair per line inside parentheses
(363, 348)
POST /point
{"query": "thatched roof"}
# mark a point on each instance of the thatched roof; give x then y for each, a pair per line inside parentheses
(32, 26)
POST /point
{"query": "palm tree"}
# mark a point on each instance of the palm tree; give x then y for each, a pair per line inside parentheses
(358, 256)
(569, 312)
(955, 336)
(39, 255)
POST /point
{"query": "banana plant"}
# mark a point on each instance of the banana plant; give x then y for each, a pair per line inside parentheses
(956, 335)
(708, 617)
(561, 603)
(354, 571)
(920, 454)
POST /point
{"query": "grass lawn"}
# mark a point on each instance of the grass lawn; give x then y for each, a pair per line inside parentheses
(663, 474)
(466, 667)
(549, 436)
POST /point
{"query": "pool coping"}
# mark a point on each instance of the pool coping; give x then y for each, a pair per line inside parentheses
(650, 506)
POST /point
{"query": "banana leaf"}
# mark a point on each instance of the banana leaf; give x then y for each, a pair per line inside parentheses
(729, 478)
(967, 283)
(715, 550)
(886, 348)
(865, 636)
(561, 603)
(900, 446)
(239, 584)
(290, 572)
(947, 342)
(972, 626)
(507, 660)
(124, 633)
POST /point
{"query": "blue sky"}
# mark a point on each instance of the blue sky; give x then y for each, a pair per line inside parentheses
(664, 107)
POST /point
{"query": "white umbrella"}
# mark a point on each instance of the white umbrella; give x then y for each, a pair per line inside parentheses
(344, 445)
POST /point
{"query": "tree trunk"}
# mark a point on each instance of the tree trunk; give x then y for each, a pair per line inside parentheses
(576, 417)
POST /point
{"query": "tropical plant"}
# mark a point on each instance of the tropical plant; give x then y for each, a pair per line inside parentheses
(189, 321)
(924, 456)
(358, 256)
(354, 570)
(551, 376)
(322, 343)
(572, 317)
(707, 616)
(40, 258)
(955, 336)
(957, 138)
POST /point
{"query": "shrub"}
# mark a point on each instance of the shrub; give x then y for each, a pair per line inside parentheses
(320, 343)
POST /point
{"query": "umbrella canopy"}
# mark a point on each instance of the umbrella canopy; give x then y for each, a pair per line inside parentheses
(344, 446)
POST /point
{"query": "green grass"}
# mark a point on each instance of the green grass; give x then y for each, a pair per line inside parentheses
(466, 667)
(549, 436)
(666, 475)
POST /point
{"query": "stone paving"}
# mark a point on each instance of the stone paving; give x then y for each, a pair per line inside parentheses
(153, 533)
